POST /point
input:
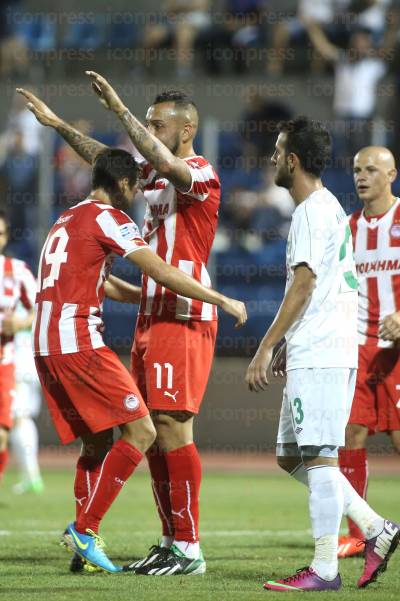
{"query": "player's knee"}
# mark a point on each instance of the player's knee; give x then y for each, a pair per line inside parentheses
(3, 439)
(356, 436)
(140, 433)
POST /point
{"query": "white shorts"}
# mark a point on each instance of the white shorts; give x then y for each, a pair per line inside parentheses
(316, 406)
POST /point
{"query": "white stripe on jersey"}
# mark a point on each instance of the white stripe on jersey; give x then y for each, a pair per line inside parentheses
(170, 231)
(207, 308)
(387, 303)
(183, 304)
(93, 323)
(35, 316)
(201, 175)
(151, 284)
(67, 330)
(44, 326)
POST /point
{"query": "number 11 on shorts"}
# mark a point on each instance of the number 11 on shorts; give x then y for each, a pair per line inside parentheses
(159, 374)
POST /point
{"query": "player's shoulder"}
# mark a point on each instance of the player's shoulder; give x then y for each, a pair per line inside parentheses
(199, 162)
(19, 267)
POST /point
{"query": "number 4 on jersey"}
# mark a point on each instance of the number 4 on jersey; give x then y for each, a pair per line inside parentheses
(53, 258)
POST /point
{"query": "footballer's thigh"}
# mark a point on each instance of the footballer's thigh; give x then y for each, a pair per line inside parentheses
(319, 401)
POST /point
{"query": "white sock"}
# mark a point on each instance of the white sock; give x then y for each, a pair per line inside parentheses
(355, 507)
(25, 441)
(359, 511)
(191, 550)
(326, 510)
(300, 474)
(166, 541)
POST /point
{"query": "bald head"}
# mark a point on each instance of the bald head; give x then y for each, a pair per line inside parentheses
(377, 155)
(374, 173)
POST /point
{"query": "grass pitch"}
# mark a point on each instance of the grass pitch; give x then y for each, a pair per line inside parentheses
(253, 527)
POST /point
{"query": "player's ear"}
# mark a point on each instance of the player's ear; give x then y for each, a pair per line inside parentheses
(124, 184)
(187, 132)
(392, 175)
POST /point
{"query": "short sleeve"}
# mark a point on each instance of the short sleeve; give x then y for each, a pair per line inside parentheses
(203, 177)
(27, 287)
(309, 239)
(118, 233)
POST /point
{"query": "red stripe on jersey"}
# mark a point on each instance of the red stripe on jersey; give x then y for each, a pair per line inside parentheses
(373, 307)
(53, 335)
(162, 249)
(395, 228)
(197, 305)
(354, 225)
(396, 290)
(372, 238)
(82, 335)
(9, 274)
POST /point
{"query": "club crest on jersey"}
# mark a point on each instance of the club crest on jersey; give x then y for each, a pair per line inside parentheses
(395, 230)
(61, 220)
(131, 402)
(129, 231)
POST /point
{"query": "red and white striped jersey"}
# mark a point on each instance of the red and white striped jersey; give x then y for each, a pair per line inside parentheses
(16, 284)
(75, 261)
(377, 255)
(180, 227)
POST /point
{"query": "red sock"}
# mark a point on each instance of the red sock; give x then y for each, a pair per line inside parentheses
(184, 469)
(353, 464)
(87, 471)
(118, 465)
(3, 461)
(160, 485)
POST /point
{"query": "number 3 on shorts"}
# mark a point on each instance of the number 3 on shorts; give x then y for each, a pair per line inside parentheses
(300, 414)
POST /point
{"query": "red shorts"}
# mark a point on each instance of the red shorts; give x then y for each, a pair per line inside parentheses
(88, 392)
(376, 402)
(7, 393)
(171, 362)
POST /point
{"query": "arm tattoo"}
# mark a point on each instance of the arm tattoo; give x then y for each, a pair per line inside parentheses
(154, 151)
(85, 146)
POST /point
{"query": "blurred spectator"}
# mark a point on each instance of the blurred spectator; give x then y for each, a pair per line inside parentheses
(13, 49)
(21, 120)
(238, 27)
(357, 73)
(293, 31)
(74, 174)
(337, 18)
(271, 195)
(255, 218)
(182, 22)
(20, 174)
(258, 126)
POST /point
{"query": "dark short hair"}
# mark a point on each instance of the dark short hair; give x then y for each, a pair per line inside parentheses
(177, 96)
(310, 141)
(110, 166)
(4, 217)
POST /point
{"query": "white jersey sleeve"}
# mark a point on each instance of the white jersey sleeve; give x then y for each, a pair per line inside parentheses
(118, 232)
(307, 238)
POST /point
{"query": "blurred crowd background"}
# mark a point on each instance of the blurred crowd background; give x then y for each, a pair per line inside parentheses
(247, 64)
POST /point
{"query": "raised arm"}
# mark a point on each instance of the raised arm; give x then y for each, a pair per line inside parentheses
(154, 151)
(177, 281)
(85, 146)
(327, 50)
